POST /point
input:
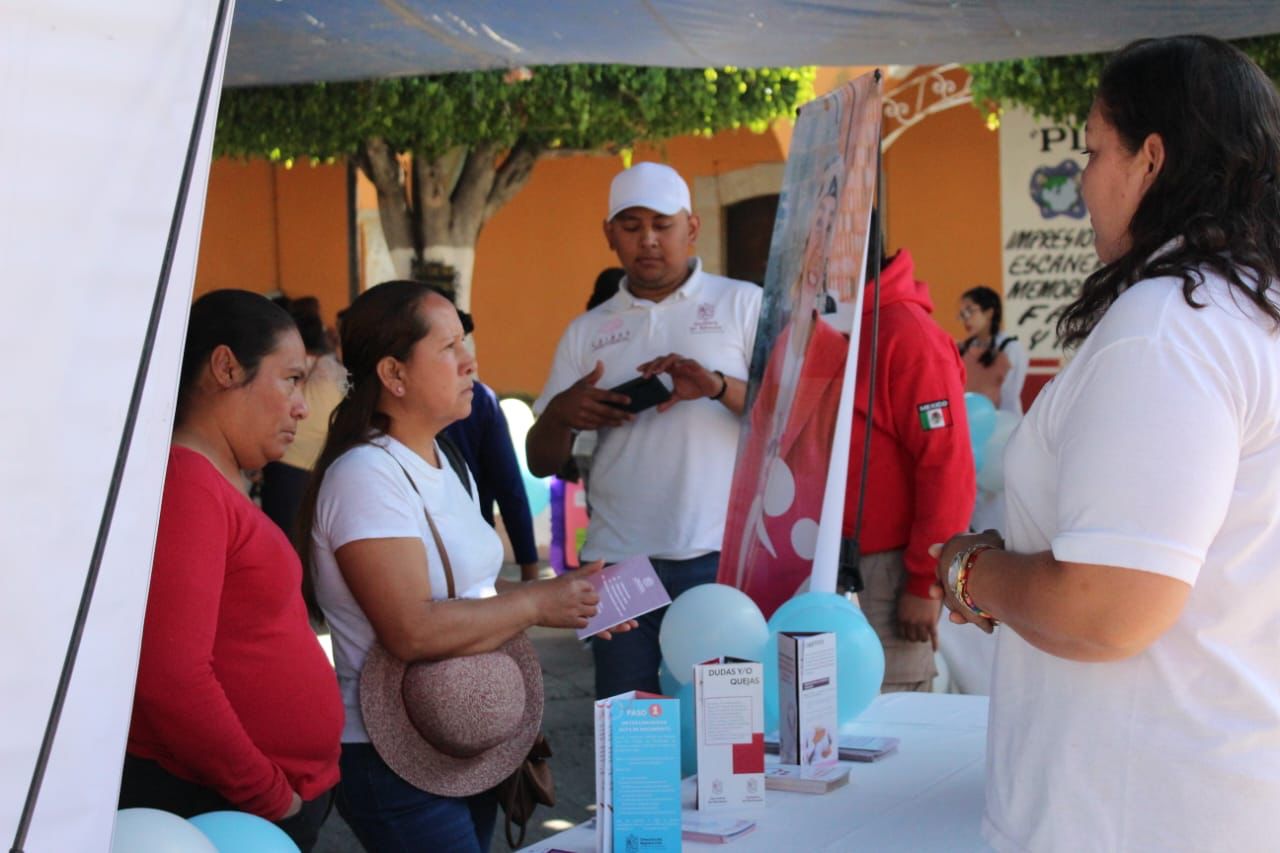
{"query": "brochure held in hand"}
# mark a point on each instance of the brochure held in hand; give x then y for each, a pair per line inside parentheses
(627, 589)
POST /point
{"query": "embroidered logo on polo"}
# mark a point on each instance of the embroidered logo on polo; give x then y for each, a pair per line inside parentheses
(935, 415)
(705, 320)
(611, 331)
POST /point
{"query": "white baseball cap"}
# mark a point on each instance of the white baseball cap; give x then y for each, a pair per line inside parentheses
(653, 185)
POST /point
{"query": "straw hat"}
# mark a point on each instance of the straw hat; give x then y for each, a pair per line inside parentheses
(458, 726)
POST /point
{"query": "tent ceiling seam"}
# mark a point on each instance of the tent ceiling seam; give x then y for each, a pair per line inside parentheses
(672, 31)
(413, 18)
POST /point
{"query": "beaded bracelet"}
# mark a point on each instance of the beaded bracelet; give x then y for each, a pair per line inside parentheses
(962, 580)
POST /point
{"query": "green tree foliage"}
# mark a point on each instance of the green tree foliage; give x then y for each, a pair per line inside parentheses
(1061, 87)
(446, 151)
(581, 107)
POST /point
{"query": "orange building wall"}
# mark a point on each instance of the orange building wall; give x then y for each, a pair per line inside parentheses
(942, 181)
(269, 228)
(538, 257)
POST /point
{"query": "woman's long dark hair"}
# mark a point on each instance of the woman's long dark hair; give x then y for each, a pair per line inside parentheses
(246, 323)
(1217, 193)
(383, 321)
(987, 300)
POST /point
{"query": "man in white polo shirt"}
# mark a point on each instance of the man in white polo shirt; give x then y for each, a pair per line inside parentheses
(660, 478)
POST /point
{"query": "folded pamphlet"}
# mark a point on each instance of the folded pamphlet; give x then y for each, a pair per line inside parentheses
(637, 774)
(627, 590)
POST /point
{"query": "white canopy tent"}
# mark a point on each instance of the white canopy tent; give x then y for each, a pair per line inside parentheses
(289, 41)
(100, 104)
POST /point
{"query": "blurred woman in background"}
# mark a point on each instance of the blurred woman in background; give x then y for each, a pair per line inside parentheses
(284, 482)
(995, 363)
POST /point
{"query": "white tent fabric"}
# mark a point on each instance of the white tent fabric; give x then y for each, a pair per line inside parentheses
(96, 108)
(289, 41)
(96, 111)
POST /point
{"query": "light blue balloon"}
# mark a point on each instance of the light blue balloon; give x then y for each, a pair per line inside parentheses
(670, 684)
(235, 832)
(538, 490)
(859, 655)
(709, 621)
(688, 731)
(688, 722)
(982, 423)
(156, 831)
(991, 474)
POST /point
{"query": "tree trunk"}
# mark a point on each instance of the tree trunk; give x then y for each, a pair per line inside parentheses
(381, 166)
(438, 215)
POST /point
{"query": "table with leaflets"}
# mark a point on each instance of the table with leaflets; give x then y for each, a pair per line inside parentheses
(927, 796)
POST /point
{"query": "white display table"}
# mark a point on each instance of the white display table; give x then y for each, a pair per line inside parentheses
(928, 796)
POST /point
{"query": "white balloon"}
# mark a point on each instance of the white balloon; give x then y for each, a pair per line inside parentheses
(519, 419)
(155, 831)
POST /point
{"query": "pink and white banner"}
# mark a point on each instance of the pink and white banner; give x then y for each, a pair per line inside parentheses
(787, 500)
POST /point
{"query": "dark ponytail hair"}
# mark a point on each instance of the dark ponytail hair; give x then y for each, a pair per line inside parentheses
(246, 323)
(1218, 192)
(987, 300)
(383, 321)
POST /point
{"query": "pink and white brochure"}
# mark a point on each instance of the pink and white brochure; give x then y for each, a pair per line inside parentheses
(627, 590)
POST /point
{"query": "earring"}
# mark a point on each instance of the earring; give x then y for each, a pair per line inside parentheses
(400, 391)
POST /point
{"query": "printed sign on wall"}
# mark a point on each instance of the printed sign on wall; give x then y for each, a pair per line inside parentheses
(1048, 242)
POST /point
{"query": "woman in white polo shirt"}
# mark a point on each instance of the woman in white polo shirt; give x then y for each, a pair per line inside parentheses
(1135, 702)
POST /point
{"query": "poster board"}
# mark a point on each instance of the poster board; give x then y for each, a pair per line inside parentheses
(786, 505)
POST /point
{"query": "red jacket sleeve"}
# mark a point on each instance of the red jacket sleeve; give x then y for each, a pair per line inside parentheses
(927, 393)
(180, 709)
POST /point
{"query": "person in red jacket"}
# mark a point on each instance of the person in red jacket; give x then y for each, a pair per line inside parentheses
(236, 706)
(921, 483)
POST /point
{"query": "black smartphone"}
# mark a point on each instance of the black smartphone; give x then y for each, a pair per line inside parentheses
(644, 393)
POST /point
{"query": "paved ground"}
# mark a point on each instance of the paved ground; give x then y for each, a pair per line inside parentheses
(567, 721)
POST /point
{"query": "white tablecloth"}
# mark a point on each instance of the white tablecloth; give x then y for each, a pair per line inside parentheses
(926, 797)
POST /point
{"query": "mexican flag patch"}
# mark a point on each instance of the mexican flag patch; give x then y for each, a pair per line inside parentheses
(935, 415)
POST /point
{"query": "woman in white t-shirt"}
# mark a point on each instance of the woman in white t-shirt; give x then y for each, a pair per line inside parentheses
(374, 562)
(1135, 703)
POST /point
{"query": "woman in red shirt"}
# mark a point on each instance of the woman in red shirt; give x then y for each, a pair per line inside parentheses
(236, 706)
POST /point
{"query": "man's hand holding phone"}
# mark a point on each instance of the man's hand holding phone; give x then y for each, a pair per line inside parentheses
(690, 379)
(583, 406)
(643, 392)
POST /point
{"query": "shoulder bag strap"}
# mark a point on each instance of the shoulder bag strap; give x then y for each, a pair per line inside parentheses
(435, 534)
(456, 461)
